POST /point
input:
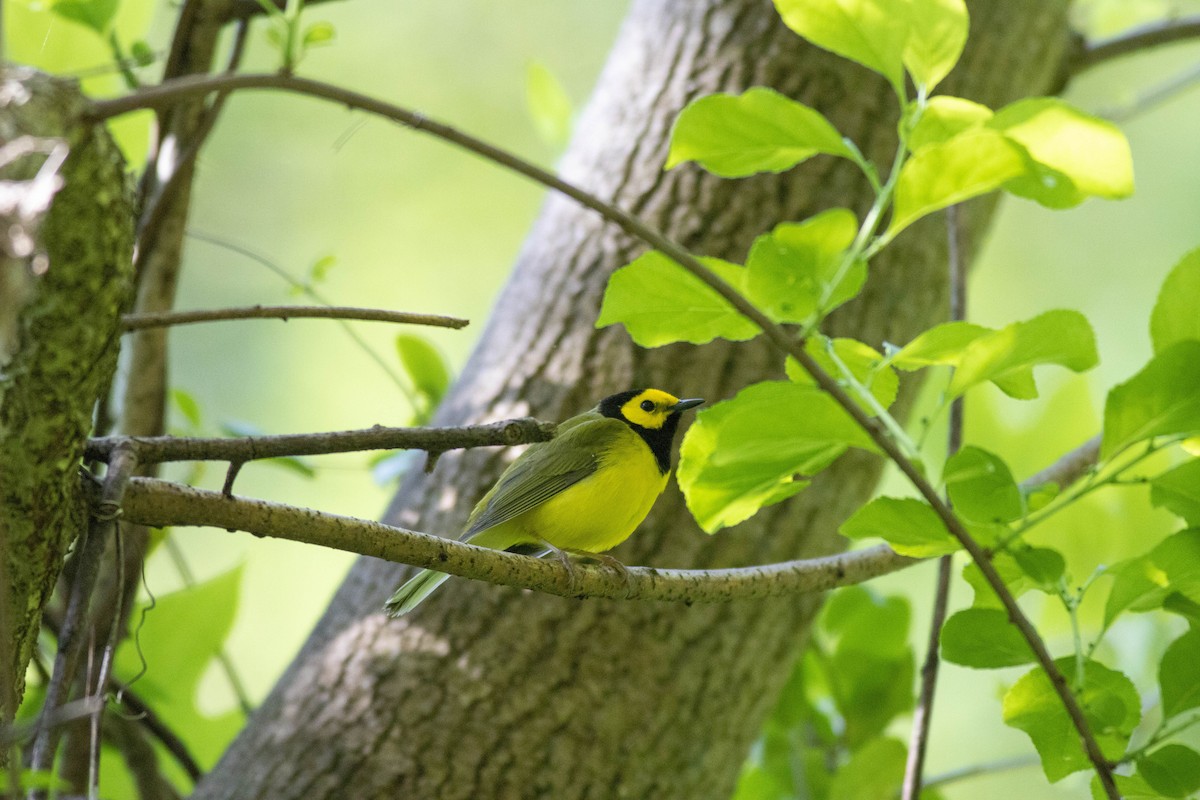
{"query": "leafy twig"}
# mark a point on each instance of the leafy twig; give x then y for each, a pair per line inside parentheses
(132, 322)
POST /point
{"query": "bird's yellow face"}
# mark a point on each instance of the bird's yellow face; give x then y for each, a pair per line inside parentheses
(649, 408)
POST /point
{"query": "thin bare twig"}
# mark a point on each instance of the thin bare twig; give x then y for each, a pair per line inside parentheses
(923, 714)
(162, 319)
(171, 92)
(1136, 40)
(160, 449)
(72, 637)
(975, 770)
(162, 503)
(1068, 468)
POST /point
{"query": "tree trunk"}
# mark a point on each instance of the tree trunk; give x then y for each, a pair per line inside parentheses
(493, 693)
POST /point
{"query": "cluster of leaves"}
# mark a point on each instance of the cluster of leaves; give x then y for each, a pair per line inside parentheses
(763, 445)
(288, 34)
(826, 737)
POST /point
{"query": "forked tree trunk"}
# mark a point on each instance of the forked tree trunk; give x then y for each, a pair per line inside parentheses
(494, 693)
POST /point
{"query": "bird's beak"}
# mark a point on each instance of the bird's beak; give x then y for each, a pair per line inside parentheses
(684, 405)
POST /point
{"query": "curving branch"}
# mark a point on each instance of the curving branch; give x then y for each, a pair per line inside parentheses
(162, 503)
(162, 319)
(160, 449)
(1135, 41)
(170, 92)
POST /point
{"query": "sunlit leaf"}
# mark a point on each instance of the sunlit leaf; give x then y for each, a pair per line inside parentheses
(873, 33)
(1161, 400)
(1059, 337)
(944, 117)
(319, 33)
(1044, 566)
(910, 526)
(937, 33)
(659, 302)
(968, 165)
(983, 638)
(1077, 155)
(186, 404)
(548, 102)
(981, 486)
(864, 363)
(940, 345)
(1130, 787)
(794, 270)
(1175, 317)
(1110, 704)
(759, 448)
(757, 131)
(95, 14)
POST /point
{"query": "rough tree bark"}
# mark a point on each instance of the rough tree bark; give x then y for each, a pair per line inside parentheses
(489, 692)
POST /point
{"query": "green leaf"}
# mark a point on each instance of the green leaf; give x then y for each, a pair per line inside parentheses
(425, 365)
(1161, 400)
(33, 779)
(1014, 578)
(1173, 770)
(758, 448)
(186, 404)
(944, 117)
(142, 53)
(1138, 585)
(1130, 787)
(1077, 155)
(983, 638)
(1043, 565)
(1178, 677)
(95, 14)
(1175, 318)
(758, 131)
(793, 269)
(182, 633)
(858, 618)
(1178, 491)
(910, 526)
(320, 268)
(970, 164)
(941, 345)
(873, 33)
(1056, 337)
(319, 33)
(659, 302)
(1178, 556)
(874, 772)
(937, 33)
(756, 783)
(1110, 704)
(548, 102)
(864, 363)
(981, 486)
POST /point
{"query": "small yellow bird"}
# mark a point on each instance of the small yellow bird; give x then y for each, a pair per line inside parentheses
(584, 490)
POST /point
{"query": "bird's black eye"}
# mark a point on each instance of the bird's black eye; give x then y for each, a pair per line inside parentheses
(647, 406)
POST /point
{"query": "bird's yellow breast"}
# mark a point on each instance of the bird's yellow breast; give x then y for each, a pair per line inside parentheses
(602, 510)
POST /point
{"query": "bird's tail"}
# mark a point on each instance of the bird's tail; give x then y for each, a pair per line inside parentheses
(413, 592)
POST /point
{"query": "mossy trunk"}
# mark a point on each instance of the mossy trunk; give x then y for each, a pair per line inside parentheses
(65, 276)
(493, 693)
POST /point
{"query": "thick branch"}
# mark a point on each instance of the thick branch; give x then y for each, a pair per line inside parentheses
(1137, 40)
(161, 503)
(160, 449)
(162, 319)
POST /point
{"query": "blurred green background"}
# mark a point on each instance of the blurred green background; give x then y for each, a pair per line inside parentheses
(415, 225)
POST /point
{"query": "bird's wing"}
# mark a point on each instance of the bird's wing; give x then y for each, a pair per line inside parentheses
(543, 471)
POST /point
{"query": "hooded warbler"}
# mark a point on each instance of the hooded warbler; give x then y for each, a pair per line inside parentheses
(584, 490)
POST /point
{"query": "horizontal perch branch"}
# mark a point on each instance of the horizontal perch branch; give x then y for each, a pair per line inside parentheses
(133, 322)
(161, 503)
(159, 449)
